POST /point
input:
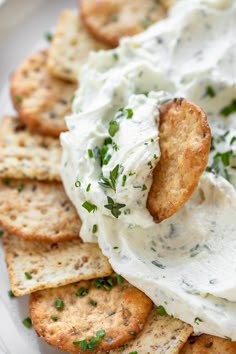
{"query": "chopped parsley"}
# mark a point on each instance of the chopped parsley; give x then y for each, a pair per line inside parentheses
(93, 302)
(113, 127)
(111, 181)
(92, 343)
(150, 165)
(161, 310)
(210, 91)
(48, 36)
(94, 229)
(128, 113)
(133, 352)
(197, 320)
(81, 292)
(227, 110)
(18, 99)
(105, 157)
(27, 322)
(20, 187)
(89, 206)
(28, 275)
(114, 207)
(144, 187)
(220, 161)
(10, 294)
(131, 173)
(77, 184)
(90, 153)
(59, 304)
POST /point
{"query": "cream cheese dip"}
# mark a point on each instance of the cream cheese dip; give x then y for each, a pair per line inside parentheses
(187, 263)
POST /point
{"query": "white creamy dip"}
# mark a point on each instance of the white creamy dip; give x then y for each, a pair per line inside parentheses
(187, 263)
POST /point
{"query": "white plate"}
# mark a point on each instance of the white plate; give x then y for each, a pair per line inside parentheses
(23, 24)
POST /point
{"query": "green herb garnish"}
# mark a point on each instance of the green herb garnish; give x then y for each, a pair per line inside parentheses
(88, 187)
(210, 91)
(93, 302)
(90, 153)
(145, 23)
(115, 56)
(233, 140)
(92, 343)
(161, 310)
(114, 207)
(128, 113)
(48, 36)
(227, 110)
(18, 99)
(220, 162)
(124, 178)
(59, 304)
(94, 229)
(106, 283)
(197, 320)
(6, 180)
(89, 206)
(120, 279)
(54, 318)
(20, 187)
(105, 157)
(113, 127)
(27, 322)
(10, 294)
(111, 181)
(28, 275)
(1, 232)
(81, 292)
(144, 187)
(77, 184)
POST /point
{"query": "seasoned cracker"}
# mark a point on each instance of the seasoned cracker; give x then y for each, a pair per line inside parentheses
(185, 139)
(121, 312)
(24, 154)
(51, 265)
(206, 344)
(160, 335)
(70, 47)
(109, 21)
(41, 100)
(37, 211)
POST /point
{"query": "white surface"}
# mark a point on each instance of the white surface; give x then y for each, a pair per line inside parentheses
(22, 24)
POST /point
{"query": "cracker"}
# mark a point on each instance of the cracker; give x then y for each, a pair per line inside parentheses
(51, 265)
(160, 335)
(109, 21)
(70, 47)
(121, 312)
(41, 100)
(27, 155)
(206, 344)
(185, 139)
(37, 211)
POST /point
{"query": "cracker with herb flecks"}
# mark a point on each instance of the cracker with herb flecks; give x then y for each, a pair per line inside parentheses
(160, 335)
(71, 316)
(24, 154)
(207, 344)
(37, 211)
(109, 21)
(41, 100)
(70, 47)
(34, 265)
(185, 139)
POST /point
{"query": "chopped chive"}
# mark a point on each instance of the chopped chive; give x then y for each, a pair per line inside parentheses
(81, 292)
(197, 320)
(93, 302)
(27, 322)
(115, 56)
(10, 294)
(113, 127)
(161, 310)
(131, 173)
(115, 248)
(18, 99)
(120, 279)
(54, 318)
(89, 206)
(227, 110)
(90, 153)
(94, 229)
(28, 275)
(124, 178)
(129, 113)
(88, 187)
(233, 140)
(20, 187)
(150, 165)
(155, 156)
(77, 184)
(133, 352)
(108, 141)
(48, 36)
(1, 232)
(144, 187)
(210, 91)
(59, 304)
(6, 180)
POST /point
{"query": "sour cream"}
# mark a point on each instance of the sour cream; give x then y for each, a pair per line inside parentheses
(187, 263)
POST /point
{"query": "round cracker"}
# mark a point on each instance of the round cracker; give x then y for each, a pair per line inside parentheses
(110, 20)
(206, 344)
(41, 100)
(121, 312)
(37, 211)
(185, 139)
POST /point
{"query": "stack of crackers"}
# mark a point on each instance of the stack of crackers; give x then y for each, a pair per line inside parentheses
(77, 303)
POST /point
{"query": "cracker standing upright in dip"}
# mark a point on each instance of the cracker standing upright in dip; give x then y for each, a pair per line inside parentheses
(186, 263)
